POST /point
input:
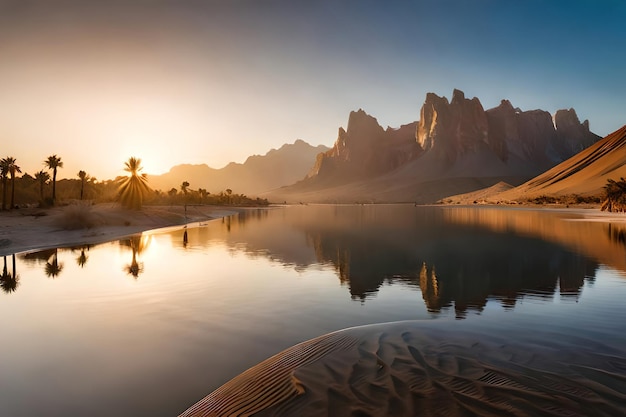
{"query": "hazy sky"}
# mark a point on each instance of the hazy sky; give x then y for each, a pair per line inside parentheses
(216, 81)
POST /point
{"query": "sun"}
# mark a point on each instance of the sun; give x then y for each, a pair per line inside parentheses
(154, 161)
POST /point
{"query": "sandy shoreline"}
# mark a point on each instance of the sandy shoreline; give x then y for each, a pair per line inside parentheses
(26, 230)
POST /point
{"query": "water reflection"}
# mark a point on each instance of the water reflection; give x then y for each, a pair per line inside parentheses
(49, 258)
(459, 258)
(137, 245)
(460, 266)
(596, 237)
(99, 324)
(53, 266)
(617, 233)
(9, 280)
(82, 259)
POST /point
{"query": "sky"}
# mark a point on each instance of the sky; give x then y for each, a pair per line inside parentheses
(215, 81)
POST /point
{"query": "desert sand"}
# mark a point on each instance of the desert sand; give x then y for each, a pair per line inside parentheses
(78, 224)
(428, 368)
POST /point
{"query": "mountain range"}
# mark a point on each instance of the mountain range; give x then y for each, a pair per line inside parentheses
(259, 173)
(455, 147)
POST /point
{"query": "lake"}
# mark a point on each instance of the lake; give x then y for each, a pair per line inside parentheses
(147, 326)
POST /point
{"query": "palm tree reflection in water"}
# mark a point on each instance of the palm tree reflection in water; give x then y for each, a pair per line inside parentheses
(81, 260)
(53, 267)
(137, 244)
(9, 281)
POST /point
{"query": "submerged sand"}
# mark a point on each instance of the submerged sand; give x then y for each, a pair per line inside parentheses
(432, 368)
(79, 224)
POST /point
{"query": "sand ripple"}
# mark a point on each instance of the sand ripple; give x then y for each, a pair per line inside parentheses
(428, 369)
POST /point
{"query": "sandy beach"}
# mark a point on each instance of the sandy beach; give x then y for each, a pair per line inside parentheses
(78, 224)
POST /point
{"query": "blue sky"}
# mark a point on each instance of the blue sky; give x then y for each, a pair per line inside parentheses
(216, 81)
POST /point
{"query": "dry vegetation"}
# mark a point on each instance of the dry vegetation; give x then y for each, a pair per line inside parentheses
(78, 216)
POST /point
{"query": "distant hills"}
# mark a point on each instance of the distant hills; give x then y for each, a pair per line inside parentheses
(455, 147)
(278, 167)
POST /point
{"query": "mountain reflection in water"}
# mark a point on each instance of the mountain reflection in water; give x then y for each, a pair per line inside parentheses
(456, 256)
(201, 304)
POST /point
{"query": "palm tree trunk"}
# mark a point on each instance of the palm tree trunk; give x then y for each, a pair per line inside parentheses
(54, 186)
(4, 193)
(12, 192)
(82, 188)
(41, 190)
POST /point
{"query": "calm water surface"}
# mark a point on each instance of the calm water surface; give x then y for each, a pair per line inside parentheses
(149, 325)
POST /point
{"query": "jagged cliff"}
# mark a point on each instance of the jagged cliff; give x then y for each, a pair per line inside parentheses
(452, 129)
(455, 139)
(365, 150)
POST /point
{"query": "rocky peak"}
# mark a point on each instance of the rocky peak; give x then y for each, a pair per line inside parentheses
(448, 131)
(506, 106)
(434, 113)
(503, 128)
(359, 122)
(362, 134)
(365, 148)
(451, 129)
(566, 119)
(458, 96)
(571, 135)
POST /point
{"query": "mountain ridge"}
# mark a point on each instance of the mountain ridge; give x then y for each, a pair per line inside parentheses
(455, 147)
(276, 168)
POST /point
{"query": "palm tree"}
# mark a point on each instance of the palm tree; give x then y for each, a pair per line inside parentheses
(134, 187)
(614, 195)
(13, 169)
(53, 162)
(184, 186)
(4, 174)
(83, 177)
(42, 177)
(203, 193)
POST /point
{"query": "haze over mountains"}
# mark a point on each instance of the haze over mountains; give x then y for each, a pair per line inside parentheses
(257, 174)
(455, 147)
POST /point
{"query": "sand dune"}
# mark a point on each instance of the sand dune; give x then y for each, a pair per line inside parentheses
(433, 368)
(484, 195)
(585, 173)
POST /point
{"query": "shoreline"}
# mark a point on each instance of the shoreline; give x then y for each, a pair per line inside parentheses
(28, 230)
(32, 229)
